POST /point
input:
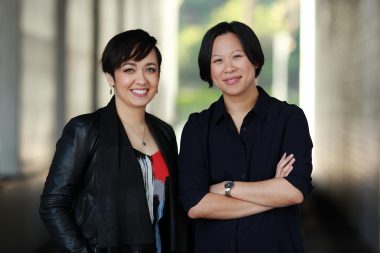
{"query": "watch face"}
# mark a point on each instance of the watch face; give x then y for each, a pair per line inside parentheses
(229, 184)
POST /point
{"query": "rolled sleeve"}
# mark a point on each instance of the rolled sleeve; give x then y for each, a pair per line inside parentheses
(297, 141)
(194, 177)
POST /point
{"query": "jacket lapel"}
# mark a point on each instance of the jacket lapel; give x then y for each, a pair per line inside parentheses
(122, 211)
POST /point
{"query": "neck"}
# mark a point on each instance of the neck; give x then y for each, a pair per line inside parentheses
(133, 116)
(241, 105)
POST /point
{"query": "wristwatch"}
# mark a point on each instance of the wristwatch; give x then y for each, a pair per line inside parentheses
(228, 185)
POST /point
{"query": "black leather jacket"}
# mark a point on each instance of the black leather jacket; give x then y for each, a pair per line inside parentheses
(68, 203)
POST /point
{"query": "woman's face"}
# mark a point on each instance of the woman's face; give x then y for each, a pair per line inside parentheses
(231, 70)
(136, 82)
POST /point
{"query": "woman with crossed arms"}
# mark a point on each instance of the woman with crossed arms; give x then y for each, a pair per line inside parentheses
(245, 162)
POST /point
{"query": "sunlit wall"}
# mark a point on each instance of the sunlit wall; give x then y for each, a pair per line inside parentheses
(347, 110)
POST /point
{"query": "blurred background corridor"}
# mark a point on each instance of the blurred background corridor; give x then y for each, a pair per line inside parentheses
(323, 55)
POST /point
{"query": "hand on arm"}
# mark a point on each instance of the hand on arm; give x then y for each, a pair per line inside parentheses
(285, 165)
(215, 205)
(276, 192)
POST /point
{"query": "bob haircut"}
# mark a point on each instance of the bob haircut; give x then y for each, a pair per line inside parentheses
(248, 39)
(128, 45)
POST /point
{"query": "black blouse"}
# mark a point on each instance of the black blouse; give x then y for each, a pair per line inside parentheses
(213, 151)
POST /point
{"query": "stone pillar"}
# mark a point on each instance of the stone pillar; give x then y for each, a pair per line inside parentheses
(9, 86)
(347, 111)
(160, 19)
(307, 60)
(282, 47)
(79, 57)
(164, 103)
(37, 83)
(110, 23)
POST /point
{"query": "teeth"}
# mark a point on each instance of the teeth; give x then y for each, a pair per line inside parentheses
(140, 92)
(232, 80)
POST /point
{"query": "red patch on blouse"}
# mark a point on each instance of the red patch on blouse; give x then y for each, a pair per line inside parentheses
(160, 170)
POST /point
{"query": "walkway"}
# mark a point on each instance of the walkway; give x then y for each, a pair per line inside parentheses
(324, 229)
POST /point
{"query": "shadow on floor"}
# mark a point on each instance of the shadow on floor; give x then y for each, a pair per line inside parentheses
(325, 229)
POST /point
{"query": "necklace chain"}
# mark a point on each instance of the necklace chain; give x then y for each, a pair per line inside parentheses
(142, 138)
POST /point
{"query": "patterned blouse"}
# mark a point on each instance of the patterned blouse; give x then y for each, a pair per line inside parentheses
(154, 171)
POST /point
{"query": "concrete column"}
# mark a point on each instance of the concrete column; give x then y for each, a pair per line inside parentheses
(160, 19)
(79, 36)
(307, 60)
(37, 84)
(282, 47)
(110, 23)
(94, 54)
(9, 86)
(60, 67)
(164, 103)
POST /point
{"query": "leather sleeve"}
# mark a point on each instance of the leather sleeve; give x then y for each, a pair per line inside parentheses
(62, 186)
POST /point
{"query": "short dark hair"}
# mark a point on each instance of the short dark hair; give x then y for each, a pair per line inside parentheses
(131, 44)
(248, 39)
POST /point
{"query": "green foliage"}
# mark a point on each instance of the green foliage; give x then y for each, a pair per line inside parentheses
(266, 17)
(195, 99)
(197, 12)
(232, 10)
(189, 41)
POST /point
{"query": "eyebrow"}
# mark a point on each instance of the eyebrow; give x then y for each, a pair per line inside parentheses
(134, 64)
(237, 50)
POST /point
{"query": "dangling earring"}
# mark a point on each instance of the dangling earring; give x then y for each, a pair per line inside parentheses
(111, 90)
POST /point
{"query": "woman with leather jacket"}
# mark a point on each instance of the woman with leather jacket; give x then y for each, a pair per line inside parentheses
(112, 184)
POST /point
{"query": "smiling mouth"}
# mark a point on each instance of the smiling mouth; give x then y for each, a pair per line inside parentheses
(232, 80)
(139, 92)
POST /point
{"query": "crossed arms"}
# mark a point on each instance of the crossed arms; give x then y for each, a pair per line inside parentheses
(249, 198)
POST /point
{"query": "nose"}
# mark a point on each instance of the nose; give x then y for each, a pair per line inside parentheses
(229, 66)
(140, 77)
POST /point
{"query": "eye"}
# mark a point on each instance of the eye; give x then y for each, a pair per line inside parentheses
(217, 60)
(151, 70)
(129, 70)
(237, 56)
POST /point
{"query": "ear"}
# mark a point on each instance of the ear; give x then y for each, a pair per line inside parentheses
(110, 79)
